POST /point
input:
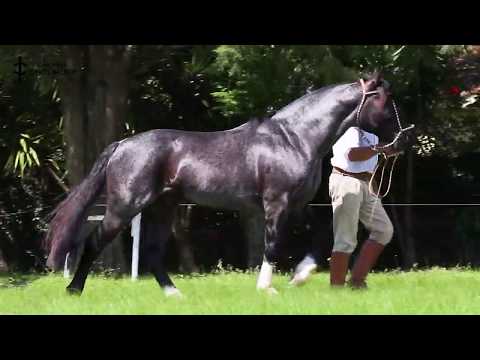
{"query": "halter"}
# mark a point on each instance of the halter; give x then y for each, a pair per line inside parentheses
(402, 130)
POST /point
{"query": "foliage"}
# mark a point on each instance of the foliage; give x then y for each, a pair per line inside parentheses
(258, 80)
(31, 129)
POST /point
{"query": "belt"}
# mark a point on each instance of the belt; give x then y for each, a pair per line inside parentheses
(363, 176)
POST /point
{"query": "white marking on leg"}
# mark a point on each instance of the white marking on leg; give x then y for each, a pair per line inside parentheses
(303, 271)
(172, 291)
(265, 278)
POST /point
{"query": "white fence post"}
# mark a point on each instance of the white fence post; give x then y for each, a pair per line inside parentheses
(136, 222)
(66, 271)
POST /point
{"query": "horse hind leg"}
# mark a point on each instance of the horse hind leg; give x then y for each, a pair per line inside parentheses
(96, 241)
(157, 229)
(120, 211)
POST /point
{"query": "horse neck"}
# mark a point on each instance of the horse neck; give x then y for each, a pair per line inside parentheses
(318, 123)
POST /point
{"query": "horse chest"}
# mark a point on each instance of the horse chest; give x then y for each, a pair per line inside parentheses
(309, 184)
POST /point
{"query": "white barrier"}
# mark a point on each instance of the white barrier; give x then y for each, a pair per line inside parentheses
(136, 222)
(66, 271)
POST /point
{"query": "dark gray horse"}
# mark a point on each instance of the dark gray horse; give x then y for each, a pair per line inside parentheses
(266, 169)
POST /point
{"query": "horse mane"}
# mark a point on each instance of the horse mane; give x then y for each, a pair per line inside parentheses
(256, 121)
(315, 93)
(253, 121)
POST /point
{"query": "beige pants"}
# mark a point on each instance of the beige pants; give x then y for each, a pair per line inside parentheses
(351, 202)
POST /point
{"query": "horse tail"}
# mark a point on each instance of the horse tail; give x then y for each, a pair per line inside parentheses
(62, 235)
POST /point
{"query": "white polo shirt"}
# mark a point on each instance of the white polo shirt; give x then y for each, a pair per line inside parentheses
(354, 137)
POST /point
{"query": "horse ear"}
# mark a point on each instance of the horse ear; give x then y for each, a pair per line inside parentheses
(373, 80)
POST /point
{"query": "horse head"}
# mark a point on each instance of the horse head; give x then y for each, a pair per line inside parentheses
(377, 114)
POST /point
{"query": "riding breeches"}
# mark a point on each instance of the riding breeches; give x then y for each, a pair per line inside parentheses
(352, 202)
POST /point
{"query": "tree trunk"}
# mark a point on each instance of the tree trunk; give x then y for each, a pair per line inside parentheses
(74, 117)
(409, 255)
(398, 225)
(107, 109)
(3, 264)
(94, 108)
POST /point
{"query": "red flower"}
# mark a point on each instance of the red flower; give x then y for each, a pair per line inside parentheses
(455, 90)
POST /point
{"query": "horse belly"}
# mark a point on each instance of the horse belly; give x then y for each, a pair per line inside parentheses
(222, 188)
(226, 201)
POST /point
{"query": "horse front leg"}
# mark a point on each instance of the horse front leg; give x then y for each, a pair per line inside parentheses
(157, 228)
(254, 231)
(303, 270)
(275, 220)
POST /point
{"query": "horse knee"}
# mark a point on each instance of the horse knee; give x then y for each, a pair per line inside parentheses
(271, 253)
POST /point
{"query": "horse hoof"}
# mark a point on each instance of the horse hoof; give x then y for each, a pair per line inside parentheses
(298, 281)
(73, 291)
(269, 290)
(272, 291)
(301, 277)
(171, 291)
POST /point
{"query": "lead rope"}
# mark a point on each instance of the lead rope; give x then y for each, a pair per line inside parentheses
(370, 183)
(370, 187)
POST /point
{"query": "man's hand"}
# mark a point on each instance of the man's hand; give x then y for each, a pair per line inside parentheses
(363, 153)
(388, 151)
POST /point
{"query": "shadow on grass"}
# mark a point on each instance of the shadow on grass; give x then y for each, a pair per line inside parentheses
(16, 280)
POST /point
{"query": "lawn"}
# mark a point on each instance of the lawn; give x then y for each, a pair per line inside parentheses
(435, 291)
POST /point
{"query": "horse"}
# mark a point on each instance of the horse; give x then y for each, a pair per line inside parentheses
(266, 169)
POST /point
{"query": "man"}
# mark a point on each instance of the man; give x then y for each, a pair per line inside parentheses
(355, 156)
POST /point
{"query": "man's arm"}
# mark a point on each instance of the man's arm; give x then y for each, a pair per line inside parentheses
(363, 153)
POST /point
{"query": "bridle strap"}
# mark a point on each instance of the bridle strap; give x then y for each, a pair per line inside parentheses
(397, 116)
(364, 96)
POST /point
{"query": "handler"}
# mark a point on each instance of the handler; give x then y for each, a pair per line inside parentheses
(355, 156)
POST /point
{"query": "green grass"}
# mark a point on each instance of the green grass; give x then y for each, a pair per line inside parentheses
(436, 291)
